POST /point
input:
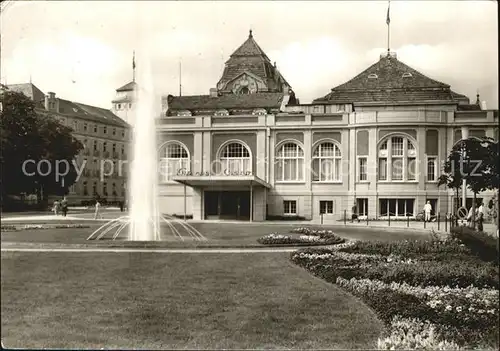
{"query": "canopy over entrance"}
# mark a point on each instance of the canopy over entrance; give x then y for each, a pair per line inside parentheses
(221, 180)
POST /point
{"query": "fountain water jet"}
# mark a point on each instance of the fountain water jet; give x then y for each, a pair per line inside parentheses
(144, 220)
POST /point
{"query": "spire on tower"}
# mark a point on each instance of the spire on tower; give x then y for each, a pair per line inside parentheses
(478, 101)
(250, 34)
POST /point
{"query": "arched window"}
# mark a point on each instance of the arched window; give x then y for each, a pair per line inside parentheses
(173, 158)
(290, 162)
(397, 159)
(235, 158)
(326, 162)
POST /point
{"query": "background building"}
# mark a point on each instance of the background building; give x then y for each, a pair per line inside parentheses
(249, 150)
(124, 103)
(104, 137)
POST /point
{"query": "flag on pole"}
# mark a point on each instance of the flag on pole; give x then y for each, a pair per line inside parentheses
(133, 61)
(388, 20)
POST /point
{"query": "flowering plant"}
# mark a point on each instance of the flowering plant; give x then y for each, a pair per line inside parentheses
(411, 334)
(280, 239)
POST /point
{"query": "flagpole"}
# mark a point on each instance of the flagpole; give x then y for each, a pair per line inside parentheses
(180, 79)
(388, 21)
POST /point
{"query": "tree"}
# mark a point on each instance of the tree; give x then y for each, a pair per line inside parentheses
(27, 138)
(474, 160)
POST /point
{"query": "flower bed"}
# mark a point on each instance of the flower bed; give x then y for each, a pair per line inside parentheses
(325, 238)
(42, 226)
(433, 304)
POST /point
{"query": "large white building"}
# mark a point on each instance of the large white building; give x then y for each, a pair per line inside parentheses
(249, 150)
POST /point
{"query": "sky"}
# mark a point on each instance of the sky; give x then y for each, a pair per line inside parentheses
(82, 50)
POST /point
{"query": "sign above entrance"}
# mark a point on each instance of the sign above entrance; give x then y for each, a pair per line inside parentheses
(226, 172)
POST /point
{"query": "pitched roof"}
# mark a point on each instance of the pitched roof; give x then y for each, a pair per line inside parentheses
(250, 48)
(249, 57)
(230, 101)
(128, 87)
(88, 112)
(389, 80)
(31, 91)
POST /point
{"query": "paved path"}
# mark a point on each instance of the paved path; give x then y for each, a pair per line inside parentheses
(152, 250)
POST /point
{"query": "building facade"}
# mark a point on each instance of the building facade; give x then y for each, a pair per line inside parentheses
(106, 140)
(249, 150)
(124, 103)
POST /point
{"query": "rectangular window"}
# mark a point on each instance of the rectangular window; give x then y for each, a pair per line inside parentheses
(75, 125)
(104, 147)
(362, 168)
(85, 126)
(362, 205)
(105, 130)
(105, 188)
(397, 146)
(382, 169)
(431, 169)
(326, 207)
(114, 131)
(114, 148)
(397, 168)
(412, 168)
(95, 128)
(290, 207)
(123, 133)
(95, 145)
(396, 207)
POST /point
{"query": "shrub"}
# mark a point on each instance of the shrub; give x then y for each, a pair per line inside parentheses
(409, 248)
(481, 244)
(451, 273)
(8, 228)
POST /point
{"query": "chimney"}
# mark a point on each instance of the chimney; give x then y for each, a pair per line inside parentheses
(51, 103)
(213, 92)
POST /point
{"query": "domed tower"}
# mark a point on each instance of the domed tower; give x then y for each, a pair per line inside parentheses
(249, 71)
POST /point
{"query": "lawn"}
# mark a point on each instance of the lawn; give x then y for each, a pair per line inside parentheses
(218, 234)
(171, 301)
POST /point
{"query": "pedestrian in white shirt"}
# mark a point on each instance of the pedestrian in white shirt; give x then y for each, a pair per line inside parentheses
(427, 211)
(97, 208)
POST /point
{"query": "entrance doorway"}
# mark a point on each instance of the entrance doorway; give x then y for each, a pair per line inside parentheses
(227, 205)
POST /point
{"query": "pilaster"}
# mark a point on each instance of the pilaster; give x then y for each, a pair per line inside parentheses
(308, 157)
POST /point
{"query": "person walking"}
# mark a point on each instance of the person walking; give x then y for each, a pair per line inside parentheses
(64, 206)
(427, 211)
(480, 217)
(354, 214)
(97, 210)
(56, 207)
